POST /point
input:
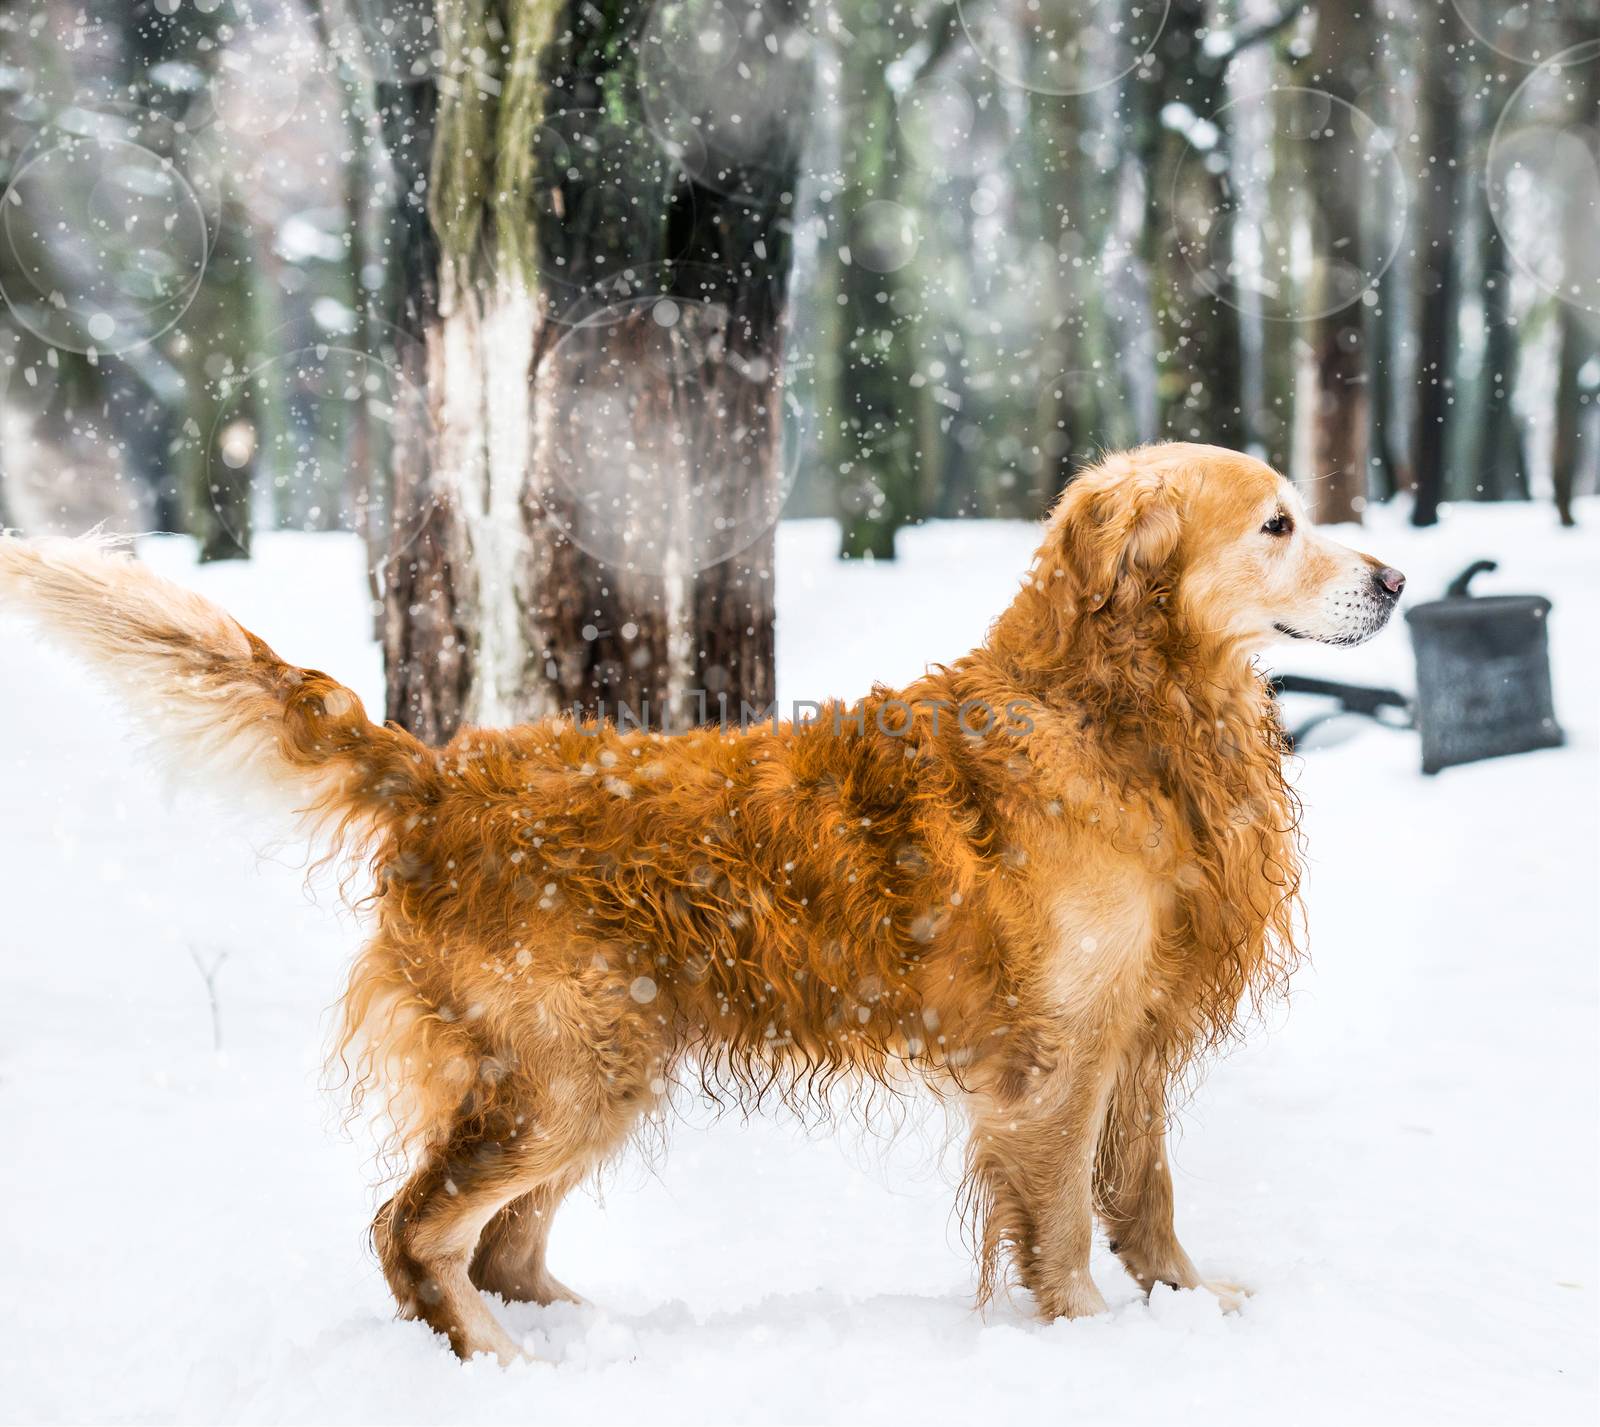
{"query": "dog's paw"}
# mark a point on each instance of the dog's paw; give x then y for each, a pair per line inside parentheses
(1230, 1296)
(1077, 1298)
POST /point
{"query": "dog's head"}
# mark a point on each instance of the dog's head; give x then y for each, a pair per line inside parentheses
(1222, 540)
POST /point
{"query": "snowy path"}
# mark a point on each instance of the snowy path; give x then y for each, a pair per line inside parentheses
(1404, 1166)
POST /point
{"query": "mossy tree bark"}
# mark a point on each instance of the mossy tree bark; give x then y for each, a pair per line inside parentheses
(555, 237)
(877, 426)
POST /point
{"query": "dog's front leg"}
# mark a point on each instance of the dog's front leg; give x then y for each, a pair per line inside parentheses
(1133, 1189)
(1033, 1156)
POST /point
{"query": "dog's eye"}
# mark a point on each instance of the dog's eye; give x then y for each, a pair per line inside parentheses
(1280, 524)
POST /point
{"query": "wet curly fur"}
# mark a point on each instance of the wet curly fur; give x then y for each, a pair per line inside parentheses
(1046, 926)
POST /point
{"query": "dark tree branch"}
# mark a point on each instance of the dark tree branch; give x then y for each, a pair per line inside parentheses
(932, 45)
(940, 38)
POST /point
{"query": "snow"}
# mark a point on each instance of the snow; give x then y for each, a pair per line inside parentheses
(1403, 1164)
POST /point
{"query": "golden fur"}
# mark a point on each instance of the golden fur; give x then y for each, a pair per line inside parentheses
(1048, 925)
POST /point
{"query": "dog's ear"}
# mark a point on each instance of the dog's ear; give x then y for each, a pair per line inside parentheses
(1114, 532)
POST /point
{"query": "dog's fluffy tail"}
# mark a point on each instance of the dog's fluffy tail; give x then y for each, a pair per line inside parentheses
(215, 702)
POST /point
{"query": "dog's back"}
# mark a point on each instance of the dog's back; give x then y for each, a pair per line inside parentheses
(787, 901)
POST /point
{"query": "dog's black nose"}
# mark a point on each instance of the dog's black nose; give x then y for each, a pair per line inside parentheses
(1389, 580)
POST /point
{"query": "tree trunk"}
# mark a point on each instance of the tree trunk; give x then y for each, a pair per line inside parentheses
(668, 466)
(1187, 239)
(875, 453)
(1075, 417)
(1576, 347)
(202, 479)
(1502, 450)
(1579, 331)
(420, 554)
(224, 426)
(1337, 331)
(1386, 468)
(601, 342)
(6, 520)
(874, 441)
(1274, 410)
(1339, 421)
(1438, 196)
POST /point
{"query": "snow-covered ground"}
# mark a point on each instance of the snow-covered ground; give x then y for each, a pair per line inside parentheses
(1403, 1164)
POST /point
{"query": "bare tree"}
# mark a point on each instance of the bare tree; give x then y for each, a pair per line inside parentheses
(6, 522)
(1501, 446)
(1439, 219)
(1577, 346)
(875, 432)
(1191, 207)
(1187, 239)
(1341, 61)
(1387, 472)
(1579, 341)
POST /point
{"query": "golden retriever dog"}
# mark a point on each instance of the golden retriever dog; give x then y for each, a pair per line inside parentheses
(1045, 910)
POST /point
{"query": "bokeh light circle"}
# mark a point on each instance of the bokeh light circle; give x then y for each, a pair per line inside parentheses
(1527, 31)
(317, 424)
(657, 419)
(107, 241)
(1543, 177)
(1277, 242)
(258, 83)
(938, 118)
(1062, 47)
(884, 236)
(727, 89)
(398, 41)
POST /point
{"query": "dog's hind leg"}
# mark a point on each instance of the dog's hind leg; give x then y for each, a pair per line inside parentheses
(1133, 1190)
(579, 1086)
(428, 1235)
(510, 1259)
